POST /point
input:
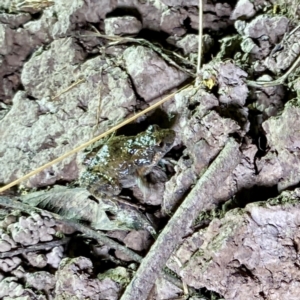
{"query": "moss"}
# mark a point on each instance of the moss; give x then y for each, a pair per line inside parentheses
(283, 199)
(119, 275)
(288, 8)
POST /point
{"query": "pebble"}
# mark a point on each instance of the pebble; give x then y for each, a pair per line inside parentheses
(4, 246)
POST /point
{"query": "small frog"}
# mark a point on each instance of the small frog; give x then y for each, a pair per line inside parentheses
(124, 160)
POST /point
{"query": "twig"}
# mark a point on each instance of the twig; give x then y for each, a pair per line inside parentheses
(200, 26)
(199, 199)
(68, 88)
(37, 247)
(278, 81)
(93, 140)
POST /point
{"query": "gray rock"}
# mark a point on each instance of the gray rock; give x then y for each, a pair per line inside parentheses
(122, 25)
(243, 9)
(272, 27)
(55, 256)
(74, 279)
(232, 86)
(204, 133)
(10, 287)
(36, 260)
(172, 21)
(189, 43)
(12, 58)
(283, 138)
(47, 74)
(13, 20)
(269, 100)
(138, 240)
(151, 75)
(4, 246)
(22, 236)
(150, 11)
(18, 272)
(41, 281)
(9, 264)
(282, 59)
(216, 16)
(78, 12)
(265, 31)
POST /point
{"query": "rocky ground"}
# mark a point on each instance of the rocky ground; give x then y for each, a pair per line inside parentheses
(71, 70)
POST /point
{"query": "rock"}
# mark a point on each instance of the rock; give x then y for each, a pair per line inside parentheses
(55, 256)
(4, 246)
(13, 20)
(287, 52)
(180, 2)
(36, 260)
(41, 281)
(12, 58)
(172, 21)
(122, 25)
(269, 100)
(73, 279)
(118, 100)
(22, 236)
(9, 264)
(18, 272)
(283, 155)
(138, 240)
(189, 43)
(242, 251)
(262, 33)
(243, 9)
(10, 287)
(216, 16)
(137, 60)
(231, 78)
(165, 290)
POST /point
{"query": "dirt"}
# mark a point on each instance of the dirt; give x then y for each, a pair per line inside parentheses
(72, 70)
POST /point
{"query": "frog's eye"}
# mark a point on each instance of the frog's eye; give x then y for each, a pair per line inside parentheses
(152, 128)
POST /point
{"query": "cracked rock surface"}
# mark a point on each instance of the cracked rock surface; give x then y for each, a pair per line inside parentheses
(70, 70)
(251, 253)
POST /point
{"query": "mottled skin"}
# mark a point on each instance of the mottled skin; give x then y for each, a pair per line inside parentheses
(125, 159)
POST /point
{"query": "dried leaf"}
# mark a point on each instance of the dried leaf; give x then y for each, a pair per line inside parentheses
(77, 204)
(210, 83)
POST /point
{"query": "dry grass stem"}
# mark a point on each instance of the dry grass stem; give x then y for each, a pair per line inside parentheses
(277, 81)
(115, 40)
(68, 89)
(98, 111)
(200, 36)
(27, 4)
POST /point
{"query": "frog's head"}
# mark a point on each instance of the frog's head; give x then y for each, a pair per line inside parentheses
(164, 138)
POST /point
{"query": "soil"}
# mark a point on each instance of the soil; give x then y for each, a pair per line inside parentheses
(71, 70)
